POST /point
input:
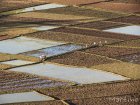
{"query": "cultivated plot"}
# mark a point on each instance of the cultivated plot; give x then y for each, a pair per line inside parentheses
(20, 82)
(55, 50)
(131, 30)
(24, 44)
(69, 73)
(16, 62)
(23, 97)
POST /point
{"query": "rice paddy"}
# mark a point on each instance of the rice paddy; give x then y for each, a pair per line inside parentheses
(69, 52)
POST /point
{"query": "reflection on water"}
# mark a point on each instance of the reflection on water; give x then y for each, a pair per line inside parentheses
(16, 62)
(74, 74)
(44, 28)
(55, 50)
(23, 97)
(42, 7)
(24, 44)
(132, 30)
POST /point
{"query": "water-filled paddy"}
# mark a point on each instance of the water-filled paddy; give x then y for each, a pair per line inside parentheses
(132, 30)
(16, 62)
(42, 7)
(55, 50)
(44, 28)
(70, 73)
(23, 97)
(24, 44)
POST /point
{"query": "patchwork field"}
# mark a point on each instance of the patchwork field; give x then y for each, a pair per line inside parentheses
(69, 52)
(120, 7)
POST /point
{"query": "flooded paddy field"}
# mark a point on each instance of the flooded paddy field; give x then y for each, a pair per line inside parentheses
(72, 38)
(133, 19)
(69, 52)
(16, 62)
(70, 73)
(23, 97)
(20, 82)
(56, 50)
(24, 44)
(131, 30)
(97, 33)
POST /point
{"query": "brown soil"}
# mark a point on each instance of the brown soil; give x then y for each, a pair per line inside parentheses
(94, 90)
(81, 59)
(129, 70)
(132, 58)
(17, 31)
(4, 66)
(4, 57)
(77, 11)
(95, 33)
(99, 25)
(122, 7)
(129, 44)
(71, 38)
(7, 5)
(112, 51)
(126, 1)
(51, 16)
(130, 19)
(3, 37)
(114, 100)
(15, 19)
(13, 81)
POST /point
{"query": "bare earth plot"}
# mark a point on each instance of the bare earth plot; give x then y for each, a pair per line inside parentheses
(69, 52)
(120, 7)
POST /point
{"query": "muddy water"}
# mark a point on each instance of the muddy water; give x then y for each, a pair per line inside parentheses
(42, 7)
(70, 73)
(44, 28)
(23, 97)
(24, 44)
(56, 50)
(132, 30)
(16, 62)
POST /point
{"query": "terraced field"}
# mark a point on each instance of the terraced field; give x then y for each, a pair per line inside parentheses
(69, 52)
(24, 82)
(96, 33)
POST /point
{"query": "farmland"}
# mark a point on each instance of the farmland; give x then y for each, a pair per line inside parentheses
(69, 52)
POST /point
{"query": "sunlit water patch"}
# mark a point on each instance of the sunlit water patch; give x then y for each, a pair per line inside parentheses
(44, 28)
(132, 30)
(55, 50)
(70, 73)
(42, 7)
(24, 44)
(23, 97)
(16, 62)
